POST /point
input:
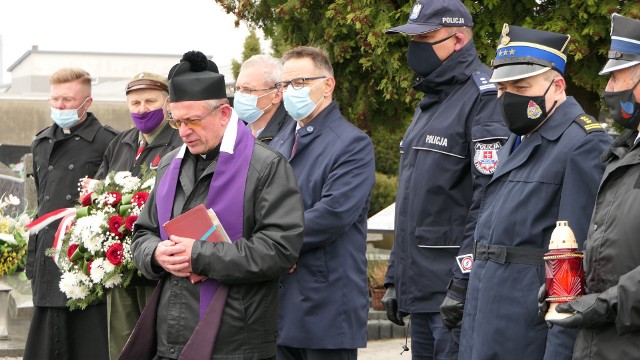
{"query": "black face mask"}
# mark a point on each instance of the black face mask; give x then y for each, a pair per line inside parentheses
(625, 110)
(421, 57)
(524, 114)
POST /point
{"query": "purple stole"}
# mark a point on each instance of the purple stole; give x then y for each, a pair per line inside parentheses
(226, 198)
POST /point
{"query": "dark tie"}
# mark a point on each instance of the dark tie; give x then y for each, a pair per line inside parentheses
(295, 144)
(516, 143)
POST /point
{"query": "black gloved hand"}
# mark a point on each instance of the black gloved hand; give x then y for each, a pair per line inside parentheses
(451, 311)
(452, 308)
(390, 303)
(589, 311)
(543, 304)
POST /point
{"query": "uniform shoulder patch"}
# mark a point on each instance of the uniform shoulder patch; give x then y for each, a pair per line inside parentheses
(483, 83)
(588, 123)
(486, 157)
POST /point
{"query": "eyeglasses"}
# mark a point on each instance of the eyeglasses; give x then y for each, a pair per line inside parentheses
(191, 123)
(297, 83)
(248, 91)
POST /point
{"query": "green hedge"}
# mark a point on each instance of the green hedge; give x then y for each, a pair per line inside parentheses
(384, 192)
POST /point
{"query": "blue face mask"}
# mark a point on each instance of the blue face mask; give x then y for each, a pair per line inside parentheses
(66, 118)
(247, 106)
(298, 103)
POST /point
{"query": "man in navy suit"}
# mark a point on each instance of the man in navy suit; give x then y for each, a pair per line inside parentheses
(324, 300)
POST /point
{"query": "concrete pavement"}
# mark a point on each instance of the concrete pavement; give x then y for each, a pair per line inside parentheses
(385, 350)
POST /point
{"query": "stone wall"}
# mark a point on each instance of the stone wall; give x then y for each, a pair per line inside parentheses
(20, 120)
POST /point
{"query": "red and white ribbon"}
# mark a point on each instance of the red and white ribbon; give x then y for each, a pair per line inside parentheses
(46, 219)
(65, 224)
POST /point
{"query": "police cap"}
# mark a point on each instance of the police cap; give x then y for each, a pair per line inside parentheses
(524, 52)
(430, 15)
(625, 44)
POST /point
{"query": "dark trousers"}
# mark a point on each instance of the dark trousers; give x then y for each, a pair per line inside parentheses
(431, 340)
(291, 353)
(61, 334)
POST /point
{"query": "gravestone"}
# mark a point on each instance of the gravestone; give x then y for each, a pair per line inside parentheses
(11, 185)
(11, 154)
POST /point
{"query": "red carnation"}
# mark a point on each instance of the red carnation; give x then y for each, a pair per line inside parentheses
(86, 200)
(89, 263)
(113, 199)
(128, 223)
(72, 249)
(140, 198)
(115, 254)
(115, 222)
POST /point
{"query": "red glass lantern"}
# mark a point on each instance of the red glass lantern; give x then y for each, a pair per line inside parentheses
(563, 269)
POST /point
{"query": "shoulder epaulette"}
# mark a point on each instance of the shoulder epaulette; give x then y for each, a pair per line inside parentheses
(483, 83)
(588, 123)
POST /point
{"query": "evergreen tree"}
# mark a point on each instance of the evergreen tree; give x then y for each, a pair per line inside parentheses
(251, 47)
(373, 81)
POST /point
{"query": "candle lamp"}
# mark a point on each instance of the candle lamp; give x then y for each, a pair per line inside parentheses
(563, 270)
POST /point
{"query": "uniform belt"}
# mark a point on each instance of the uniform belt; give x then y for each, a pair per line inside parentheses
(508, 254)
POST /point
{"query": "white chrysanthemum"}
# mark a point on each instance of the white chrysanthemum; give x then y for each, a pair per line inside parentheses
(87, 232)
(113, 280)
(74, 285)
(108, 267)
(12, 200)
(120, 177)
(149, 184)
(130, 184)
(8, 238)
(97, 270)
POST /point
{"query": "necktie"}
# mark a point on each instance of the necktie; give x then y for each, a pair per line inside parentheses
(295, 144)
(516, 143)
(143, 144)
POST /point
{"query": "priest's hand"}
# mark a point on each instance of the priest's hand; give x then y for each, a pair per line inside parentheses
(168, 255)
(187, 245)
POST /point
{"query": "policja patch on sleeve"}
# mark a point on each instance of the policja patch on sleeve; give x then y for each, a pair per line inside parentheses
(486, 157)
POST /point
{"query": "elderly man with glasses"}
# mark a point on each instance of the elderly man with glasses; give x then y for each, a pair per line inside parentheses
(233, 313)
(324, 301)
(257, 99)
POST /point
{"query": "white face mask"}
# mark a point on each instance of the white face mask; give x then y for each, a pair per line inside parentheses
(66, 118)
(247, 106)
(298, 103)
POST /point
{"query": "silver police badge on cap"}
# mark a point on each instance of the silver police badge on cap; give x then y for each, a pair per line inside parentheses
(415, 12)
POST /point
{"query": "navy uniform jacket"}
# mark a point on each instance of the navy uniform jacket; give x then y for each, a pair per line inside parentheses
(448, 154)
(324, 303)
(553, 175)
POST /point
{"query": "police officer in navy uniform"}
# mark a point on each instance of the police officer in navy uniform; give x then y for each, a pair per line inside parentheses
(448, 154)
(549, 170)
(608, 316)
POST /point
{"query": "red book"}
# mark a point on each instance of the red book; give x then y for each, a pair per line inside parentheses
(198, 223)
